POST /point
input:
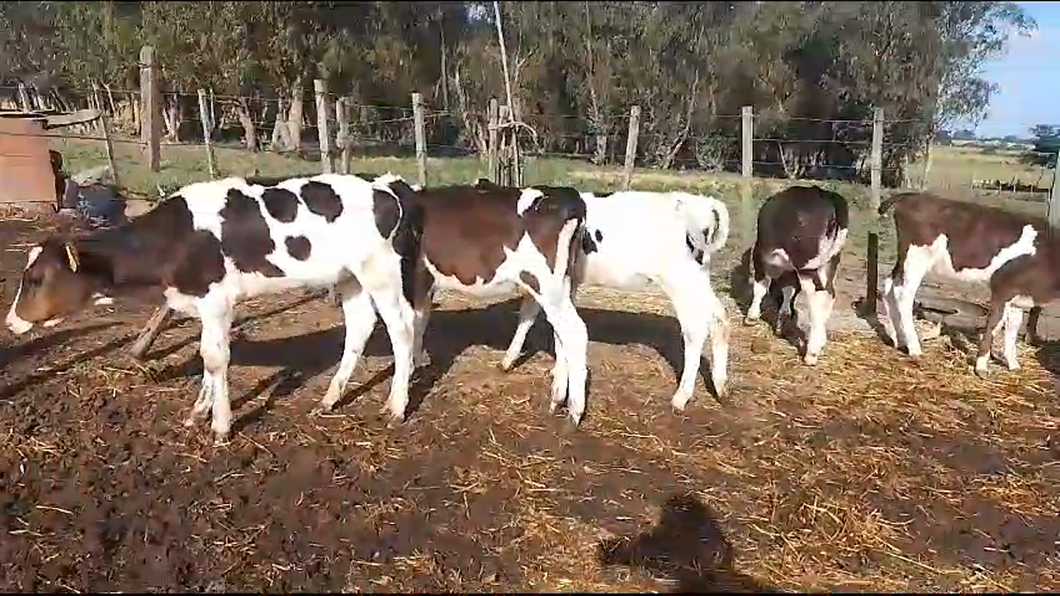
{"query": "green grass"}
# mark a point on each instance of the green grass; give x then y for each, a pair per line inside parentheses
(952, 170)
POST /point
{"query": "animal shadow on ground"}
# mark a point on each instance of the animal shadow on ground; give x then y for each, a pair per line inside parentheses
(449, 333)
(688, 546)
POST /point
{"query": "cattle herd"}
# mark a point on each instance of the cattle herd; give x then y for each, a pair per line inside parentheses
(384, 248)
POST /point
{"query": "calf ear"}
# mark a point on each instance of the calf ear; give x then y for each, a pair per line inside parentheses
(71, 257)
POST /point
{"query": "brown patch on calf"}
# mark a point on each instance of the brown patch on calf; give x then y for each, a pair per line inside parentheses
(161, 247)
(245, 236)
(976, 233)
(794, 220)
(321, 199)
(298, 247)
(468, 228)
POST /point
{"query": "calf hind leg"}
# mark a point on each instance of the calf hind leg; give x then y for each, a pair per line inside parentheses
(994, 320)
(700, 314)
(528, 311)
(399, 319)
(216, 322)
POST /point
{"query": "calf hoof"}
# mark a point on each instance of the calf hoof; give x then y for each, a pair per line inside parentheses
(679, 402)
(721, 392)
(320, 410)
(505, 366)
(810, 359)
(573, 422)
(749, 320)
(1013, 365)
(220, 439)
(981, 372)
(393, 419)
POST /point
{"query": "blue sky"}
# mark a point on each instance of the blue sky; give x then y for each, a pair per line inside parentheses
(1028, 76)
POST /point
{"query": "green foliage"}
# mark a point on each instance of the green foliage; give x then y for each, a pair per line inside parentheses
(576, 67)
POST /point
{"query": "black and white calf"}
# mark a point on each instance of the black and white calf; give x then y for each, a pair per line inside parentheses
(633, 238)
(1014, 254)
(801, 232)
(211, 244)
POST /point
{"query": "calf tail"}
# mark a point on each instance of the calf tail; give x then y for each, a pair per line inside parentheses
(707, 225)
(721, 232)
(408, 244)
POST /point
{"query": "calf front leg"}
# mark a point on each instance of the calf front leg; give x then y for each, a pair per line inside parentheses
(760, 282)
(820, 304)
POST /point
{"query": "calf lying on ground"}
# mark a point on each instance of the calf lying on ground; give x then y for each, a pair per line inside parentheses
(801, 232)
(213, 243)
(1013, 254)
(487, 240)
(633, 238)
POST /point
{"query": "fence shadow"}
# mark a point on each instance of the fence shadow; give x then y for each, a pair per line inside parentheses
(688, 546)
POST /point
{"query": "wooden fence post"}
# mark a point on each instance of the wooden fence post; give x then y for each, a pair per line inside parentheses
(343, 139)
(104, 124)
(151, 113)
(746, 171)
(872, 273)
(876, 162)
(631, 146)
(1054, 196)
(503, 153)
(494, 164)
(421, 137)
(207, 128)
(320, 88)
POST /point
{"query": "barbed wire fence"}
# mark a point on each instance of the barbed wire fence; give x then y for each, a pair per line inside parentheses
(201, 133)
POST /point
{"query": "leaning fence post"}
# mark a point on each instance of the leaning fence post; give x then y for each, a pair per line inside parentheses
(320, 88)
(421, 137)
(104, 124)
(872, 273)
(207, 126)
(1054, 195)
(631, 146)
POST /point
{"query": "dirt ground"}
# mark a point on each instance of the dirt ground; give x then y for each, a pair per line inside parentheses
(868, 472)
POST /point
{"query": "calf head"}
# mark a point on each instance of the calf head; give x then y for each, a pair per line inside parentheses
(54, 284)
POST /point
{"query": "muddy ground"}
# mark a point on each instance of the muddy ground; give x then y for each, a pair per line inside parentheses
(869, 472)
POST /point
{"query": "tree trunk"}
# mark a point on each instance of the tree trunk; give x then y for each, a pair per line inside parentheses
(294, 117)
(601, 150)
(250, 132)
(171, 116)
(136, 113)
(281, 136)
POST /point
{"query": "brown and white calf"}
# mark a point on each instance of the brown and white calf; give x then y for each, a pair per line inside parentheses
(1013, 254)
(486, 240)
(801, 233)
(211, 244)
(634, 238)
